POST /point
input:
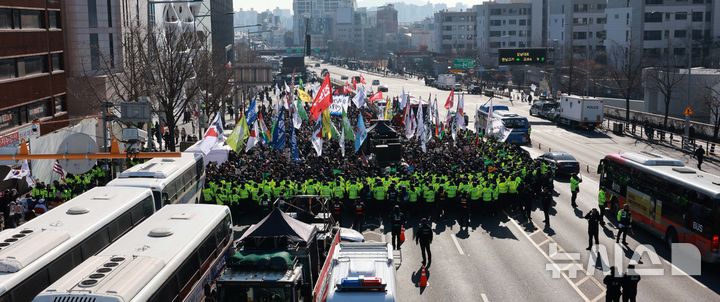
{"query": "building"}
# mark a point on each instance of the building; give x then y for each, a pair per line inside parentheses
(702, 82)
(93, 31)
(221, 20)
(664, 27)
(387, 19)
(455, 32)
(502, 25)
(32, 69)
(579, 27)
(315, 18)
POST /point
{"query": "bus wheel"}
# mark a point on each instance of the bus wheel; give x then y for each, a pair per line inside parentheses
(671, 236)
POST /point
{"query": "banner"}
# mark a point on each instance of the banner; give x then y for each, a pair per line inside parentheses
(340, 103)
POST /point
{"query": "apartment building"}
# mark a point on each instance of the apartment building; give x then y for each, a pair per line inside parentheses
(578, 26)
(455, 32)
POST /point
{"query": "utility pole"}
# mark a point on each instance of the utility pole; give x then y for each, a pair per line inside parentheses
(690, 49)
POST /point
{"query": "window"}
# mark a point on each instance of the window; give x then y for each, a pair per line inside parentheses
(6, 18)
(121, 225)
(95, 243)
(94, 52)
(108, 5)
(653, 1)
(64, 264)
(188, 269)
(697, 16)
(447, 37)
(495, 22)
(31, 65)
(28, 289)
(580, 35)
(447, 27)
(54, 19)
(601, 20)
(708, 16)
(523, 22)
(697, 34)
(653, 17)
(31, 19)
(601, 34)
(679, 51)
(495, 33)
(60, 104)
(92, 13)
(680, 16)
(512, 33)
(7, 69)
(652, 35)
(9, 118)
(512, 22)
(680, 33)
(38, 110)
(495, 12)
(111, 46)
(57, 61)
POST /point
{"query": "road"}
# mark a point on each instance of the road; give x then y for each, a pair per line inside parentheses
(506, 259)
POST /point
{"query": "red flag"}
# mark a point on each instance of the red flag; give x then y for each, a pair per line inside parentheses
(362, 79)
(354, 82)
(323, 98)
(376, 97)
(449, 101)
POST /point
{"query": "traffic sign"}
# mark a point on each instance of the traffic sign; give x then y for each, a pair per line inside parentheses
(522, 56)
(688, 111)
(463, 63)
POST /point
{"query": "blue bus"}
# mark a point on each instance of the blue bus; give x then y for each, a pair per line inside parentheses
(519, 125)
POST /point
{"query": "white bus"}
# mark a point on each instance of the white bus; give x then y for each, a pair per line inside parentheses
(172, 180)
(42, 250)
(169, 257)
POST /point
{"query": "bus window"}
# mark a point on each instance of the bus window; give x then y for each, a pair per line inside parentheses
(515, 123)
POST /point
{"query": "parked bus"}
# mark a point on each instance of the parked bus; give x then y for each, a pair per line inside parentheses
(42, 250)
(172, 256)
(518, 124)
(172, 180)
(674, 202)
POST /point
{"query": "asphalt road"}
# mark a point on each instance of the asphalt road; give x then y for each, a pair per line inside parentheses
(507, 259)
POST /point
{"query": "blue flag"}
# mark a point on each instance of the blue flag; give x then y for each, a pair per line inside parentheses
(293, 145)
(361, 133)
(278, 136)
(251, 114)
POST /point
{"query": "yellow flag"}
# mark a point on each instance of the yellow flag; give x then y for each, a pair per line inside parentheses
(304, 96)
(326, 127)
(236, 140)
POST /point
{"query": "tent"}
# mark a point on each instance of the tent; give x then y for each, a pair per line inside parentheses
(280, 225)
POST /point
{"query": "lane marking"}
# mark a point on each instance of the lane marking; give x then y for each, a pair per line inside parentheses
(553, 263)
(457, 244)
(484, 298)
(544, 242)
(587, 277)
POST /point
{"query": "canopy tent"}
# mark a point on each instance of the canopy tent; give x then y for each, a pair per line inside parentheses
(280, 225)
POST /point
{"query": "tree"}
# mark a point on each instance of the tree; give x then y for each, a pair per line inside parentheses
(625, 71)
(666, 77)
(712, 100)
(214, 85)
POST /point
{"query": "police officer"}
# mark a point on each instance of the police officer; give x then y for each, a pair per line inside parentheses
(574, 188)
(593, 218)
(613, 285)
(624, 218)
(547, 200)
(337, 211)
(630, 281)
(359, 213)
(424, 237)
(601, 205)
(397, 220)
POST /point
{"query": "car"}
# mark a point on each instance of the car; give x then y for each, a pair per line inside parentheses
(474, 89)
(375, 82)
(562, 163)
(317, 64)
(383, 88)
(457, 87)
(344, 77)
(429, 81)
(536, 108)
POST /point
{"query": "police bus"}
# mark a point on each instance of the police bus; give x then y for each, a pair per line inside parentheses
(172, 256)
(172, 180)
(674, 202)
(42, 250)
(518, 124)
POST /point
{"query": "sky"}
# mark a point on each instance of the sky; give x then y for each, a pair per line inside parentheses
(262, 5)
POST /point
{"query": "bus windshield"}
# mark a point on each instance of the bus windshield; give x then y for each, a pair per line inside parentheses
(515, 122)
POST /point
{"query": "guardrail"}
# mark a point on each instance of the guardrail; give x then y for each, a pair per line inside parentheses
(666, 138)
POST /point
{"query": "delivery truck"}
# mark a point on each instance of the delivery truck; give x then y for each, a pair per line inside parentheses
(580, 112)
(445, 81)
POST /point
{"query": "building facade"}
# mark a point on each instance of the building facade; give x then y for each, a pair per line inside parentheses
(579, 27)
(32, 69)
(502, 25)
(315, 18)
(455, 32)
(221, 20)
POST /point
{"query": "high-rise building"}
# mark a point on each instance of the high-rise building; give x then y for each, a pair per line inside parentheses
(315, 18)
(32, 69)
(578, 26)
(502, 25)
(387, 19)
(664, 28)
(221, 19)
(455, 32)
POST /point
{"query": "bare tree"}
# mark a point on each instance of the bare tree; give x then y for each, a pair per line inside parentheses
(666, 77)
(215, 87)
(625, 71)
(712, 100)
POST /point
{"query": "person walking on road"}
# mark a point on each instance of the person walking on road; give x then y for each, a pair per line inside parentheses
(613, 284)
(575, 181)
(700, 156)
(624, 218)
(630, 282)
(593, 218)
(424, 238)
(397, 220)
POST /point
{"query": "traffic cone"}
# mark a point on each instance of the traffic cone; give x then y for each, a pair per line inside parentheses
(423, 277)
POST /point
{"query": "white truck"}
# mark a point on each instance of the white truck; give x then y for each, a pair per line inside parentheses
(359, 272)
(580, 111)
(445, 81)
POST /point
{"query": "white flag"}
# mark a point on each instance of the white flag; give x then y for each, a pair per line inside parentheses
(403, 99)
(459, 114)
(253, 138)
(409, 120)
(359, 98)
(317, 140)
(342, 141)
(421, 128)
